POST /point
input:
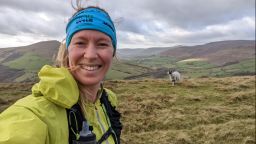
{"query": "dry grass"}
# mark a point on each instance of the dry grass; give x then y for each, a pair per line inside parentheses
(11, 92)
(200, 111)
(196, 111)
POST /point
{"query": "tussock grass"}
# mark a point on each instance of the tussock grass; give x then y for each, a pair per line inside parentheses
(195, 111)
(11, 92)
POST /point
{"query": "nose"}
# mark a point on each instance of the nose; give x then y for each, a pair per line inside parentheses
(90, 52)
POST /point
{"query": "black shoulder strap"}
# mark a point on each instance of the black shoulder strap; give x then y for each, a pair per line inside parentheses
(75, 120)
(114, 116)
(107, 134)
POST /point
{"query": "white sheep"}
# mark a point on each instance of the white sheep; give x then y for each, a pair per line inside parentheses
(174, 76)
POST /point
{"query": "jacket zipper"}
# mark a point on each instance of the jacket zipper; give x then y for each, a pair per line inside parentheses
(101, 125)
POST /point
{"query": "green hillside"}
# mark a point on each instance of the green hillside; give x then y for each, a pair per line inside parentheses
(198, 68)
(28, 62)
(204, 69)
(19, 64)
(244, 67)
(154, 61)
(121, 69)
(22, 63)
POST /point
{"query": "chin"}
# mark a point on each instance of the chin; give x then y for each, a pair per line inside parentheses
(88, 79)
(91, 82)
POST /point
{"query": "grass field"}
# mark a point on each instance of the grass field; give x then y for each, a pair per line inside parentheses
(140, 68)
(155, 61)
(195, 111)
(121, 69)
(195, 68)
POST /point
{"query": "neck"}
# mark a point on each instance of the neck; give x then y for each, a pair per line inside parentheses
(89, 92)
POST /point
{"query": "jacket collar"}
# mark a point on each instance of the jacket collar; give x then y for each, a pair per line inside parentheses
(57, 85)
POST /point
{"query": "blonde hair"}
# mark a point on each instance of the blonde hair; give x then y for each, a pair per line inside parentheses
(62, 56)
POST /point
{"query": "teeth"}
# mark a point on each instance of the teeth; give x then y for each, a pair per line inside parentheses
(89, 68)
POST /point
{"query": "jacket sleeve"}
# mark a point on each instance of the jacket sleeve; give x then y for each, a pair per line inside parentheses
(19, 125)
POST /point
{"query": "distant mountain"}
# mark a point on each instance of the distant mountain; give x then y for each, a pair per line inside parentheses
(219, 53)
(224, 58)
(216, 59)
(22, 63)
(44, 49)
(141, 52)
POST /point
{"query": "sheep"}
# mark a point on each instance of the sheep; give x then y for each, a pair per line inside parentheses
(174, 76)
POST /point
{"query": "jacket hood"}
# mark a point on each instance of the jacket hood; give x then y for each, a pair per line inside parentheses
(57, 85)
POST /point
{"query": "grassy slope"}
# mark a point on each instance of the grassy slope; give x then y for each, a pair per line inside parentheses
(196, 69)
(10, 92)
(121, 69)
(29, 62)
(200, 110)
(155, 61)
(243, 66)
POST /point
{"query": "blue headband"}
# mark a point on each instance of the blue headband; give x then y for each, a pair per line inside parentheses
(91, 19)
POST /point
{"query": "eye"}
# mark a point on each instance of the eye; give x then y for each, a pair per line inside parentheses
(79, 43)
(103, 44)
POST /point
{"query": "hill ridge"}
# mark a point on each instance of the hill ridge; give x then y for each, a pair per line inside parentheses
(215, 58)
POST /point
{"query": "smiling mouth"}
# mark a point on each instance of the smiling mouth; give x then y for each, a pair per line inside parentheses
(90, 67)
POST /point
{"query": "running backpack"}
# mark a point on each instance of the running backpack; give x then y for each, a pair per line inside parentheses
(75, 120)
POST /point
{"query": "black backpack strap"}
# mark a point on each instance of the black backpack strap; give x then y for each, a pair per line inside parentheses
(114, 117)
(75, 121)
(106, 135)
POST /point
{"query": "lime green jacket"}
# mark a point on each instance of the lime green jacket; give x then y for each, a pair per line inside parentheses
(41, 118)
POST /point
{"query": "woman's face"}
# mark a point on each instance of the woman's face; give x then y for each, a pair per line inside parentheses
(92, 52)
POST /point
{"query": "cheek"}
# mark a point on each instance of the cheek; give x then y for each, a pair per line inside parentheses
(108, 58)
(73, 57)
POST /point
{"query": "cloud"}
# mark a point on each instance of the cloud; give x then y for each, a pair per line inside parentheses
(18, 22)
(56, 7)
(143, 23)
(166, 22)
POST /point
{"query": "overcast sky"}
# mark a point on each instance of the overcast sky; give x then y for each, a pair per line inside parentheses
(139, 23)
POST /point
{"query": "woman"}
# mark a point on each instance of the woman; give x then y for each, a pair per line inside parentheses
(70, 97)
